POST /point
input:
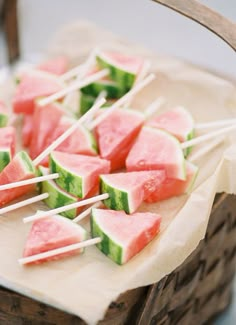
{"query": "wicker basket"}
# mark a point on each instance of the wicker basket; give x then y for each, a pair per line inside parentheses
(194, 293)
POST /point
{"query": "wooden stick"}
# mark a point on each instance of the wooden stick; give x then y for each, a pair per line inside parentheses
(122, 100)
(69, 131)
(73, 86)
(86, 212)
(214, 124)
(207, 137)
(154, 107)
(44, 214)
(81, 69)
(205, 149)
(24, 203)
(61, 250)
(28, 181)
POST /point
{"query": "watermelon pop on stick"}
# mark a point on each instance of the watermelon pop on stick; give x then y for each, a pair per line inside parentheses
(117, 235)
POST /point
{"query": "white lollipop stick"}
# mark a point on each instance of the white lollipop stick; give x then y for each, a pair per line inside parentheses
(205, 149)
(77, 84)
(69, 131)
(122, 100)
(29, 181)
(61, 250)
(24, 203)
(81, 69)
(154, 107)
(214, 124)
(207, 137)
(44, 214)
(86, 212)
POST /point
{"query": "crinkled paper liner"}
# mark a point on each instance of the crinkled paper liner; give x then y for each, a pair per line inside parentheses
(85, 285)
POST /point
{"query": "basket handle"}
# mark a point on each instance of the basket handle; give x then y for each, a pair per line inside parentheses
(212, 20)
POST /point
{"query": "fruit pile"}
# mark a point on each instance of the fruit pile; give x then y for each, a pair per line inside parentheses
(132, 158)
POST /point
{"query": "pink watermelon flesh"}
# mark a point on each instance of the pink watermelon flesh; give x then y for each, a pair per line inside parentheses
(78, 142)
(8, 138)
(87, 167)
(129, 63)
(131, 232)
(57, 66)
(45, 120)
(18, 169)
(116, 134)
(51, 233)
(173, 187)
(31, 87)
(27, 130)
(156, 149)
(137, 185)
(176, 121)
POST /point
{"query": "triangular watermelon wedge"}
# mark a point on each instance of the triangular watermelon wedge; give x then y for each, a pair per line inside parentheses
(177, 121)
(20, 168)
(80, 141)
(156, 149)
(51, 233)
(127, 191)
(123, 68)
(78, 173)
(57, 66)
(59, 197)
(116, 135)
(123, 236)
(45, 120)
(174, 187)
(32, 86)
(7, 145)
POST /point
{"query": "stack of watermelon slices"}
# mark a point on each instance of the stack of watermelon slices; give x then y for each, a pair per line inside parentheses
(156, 166)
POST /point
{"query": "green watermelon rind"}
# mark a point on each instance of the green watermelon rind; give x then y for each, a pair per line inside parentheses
(5, 157)
(110, 87)
(27, 162)
(3, 120)
(87, 101)
(125, 79)
(108, 246)
(118, 199)
(188, 150)
(57, 197)
(68, 181)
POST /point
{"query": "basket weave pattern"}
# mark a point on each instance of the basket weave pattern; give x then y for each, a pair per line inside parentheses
(193, 294)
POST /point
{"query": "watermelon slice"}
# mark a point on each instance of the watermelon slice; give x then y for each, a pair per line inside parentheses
(123, 236)
(7, 145)
(19, 169)
(78, 173)
(174, 187)
(156, 149)
(177, 121)
(58, 197)
(45, 119)
(116, 134)
(128, 190)
(123, 68)
(4, 115)
(81, 141)
(27, 130)
(51, 233)
(57, 66)
(32, 86)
